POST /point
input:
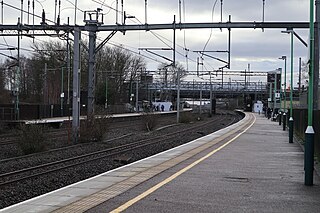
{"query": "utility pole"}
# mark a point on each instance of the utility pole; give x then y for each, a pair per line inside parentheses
(291, 121)
(61, 94)
(106, 101)
(76, 86)
(211, 104)
(200, 107)
(68, 66)
(299, 76)
(263, 6)
(245, 79)
(316, 55)
(174, 68)
(91, 72)
(280, 92)
(309, 133)
(137, 95)
(92, 26)
(45, 90)
(18, 75)
(275, 93)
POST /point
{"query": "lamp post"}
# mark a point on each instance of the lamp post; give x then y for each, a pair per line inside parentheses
(62, 88)
(309, 134)
(62, 93)
(106, 101)
(275, 94)
(291, 94)
(280, 110)
(211, 105)
(268, 112)
(284, 115)
(291, 32)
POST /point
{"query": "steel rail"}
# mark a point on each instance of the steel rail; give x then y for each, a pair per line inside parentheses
(114, 151)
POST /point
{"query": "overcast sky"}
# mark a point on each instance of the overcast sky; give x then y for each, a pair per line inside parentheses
(259, 49)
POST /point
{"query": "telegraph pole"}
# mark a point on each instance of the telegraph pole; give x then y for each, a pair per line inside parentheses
(299, 76)
(309, 133)
(275, 93)
(91, 71)
(68, 66)
(76, 86)
(316, 55)
(92, 26)
(18, 75)
(174, 68)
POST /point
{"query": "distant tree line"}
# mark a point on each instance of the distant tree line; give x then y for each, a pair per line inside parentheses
(35, 85)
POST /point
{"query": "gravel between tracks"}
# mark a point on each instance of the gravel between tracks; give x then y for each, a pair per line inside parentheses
(40, 185)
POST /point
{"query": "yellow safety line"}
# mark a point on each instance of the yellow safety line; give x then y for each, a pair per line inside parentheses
(172, 177)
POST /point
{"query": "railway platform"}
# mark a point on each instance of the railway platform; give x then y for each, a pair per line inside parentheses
(246, 167)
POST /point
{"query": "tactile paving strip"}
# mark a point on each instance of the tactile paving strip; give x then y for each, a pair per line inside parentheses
(95, 199)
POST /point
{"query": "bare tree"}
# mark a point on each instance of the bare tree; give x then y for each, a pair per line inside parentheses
(37, 85)
(48, 82)
(3, 91)
(9, 80)
(117, 66)
(304, 75)
(169, 74)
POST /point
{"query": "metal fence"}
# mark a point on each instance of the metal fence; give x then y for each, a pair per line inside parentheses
(300, 117)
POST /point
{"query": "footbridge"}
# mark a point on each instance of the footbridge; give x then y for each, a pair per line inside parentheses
(190, 89)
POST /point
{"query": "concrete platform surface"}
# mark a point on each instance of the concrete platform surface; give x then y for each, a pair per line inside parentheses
(258, 172)
(237, 169)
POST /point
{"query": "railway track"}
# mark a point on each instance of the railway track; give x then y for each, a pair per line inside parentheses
(14, 138)
(10, 178)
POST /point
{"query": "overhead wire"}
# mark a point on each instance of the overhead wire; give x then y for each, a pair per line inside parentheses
(40, 3)
(104, 4)
(120, 45)
(7, 44)
(40, 40)
(75, 6)
(184, 34)
(211, 31)
(162, 38)
(11, 46)
(21, 10)
(158, 36)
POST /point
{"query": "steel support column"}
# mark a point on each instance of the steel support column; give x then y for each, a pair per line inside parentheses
(91, 71)
(291, 93)
(76, 87)
(309, 134)
(316, 56)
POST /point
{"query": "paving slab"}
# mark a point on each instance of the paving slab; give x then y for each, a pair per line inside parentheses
(258, 172)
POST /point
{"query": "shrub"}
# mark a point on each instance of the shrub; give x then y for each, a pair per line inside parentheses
(2, 127)
(149, 120)
(31, 139)
(93, 129)
(186, 117)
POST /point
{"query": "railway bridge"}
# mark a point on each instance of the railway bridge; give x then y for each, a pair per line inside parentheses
(204, 90)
